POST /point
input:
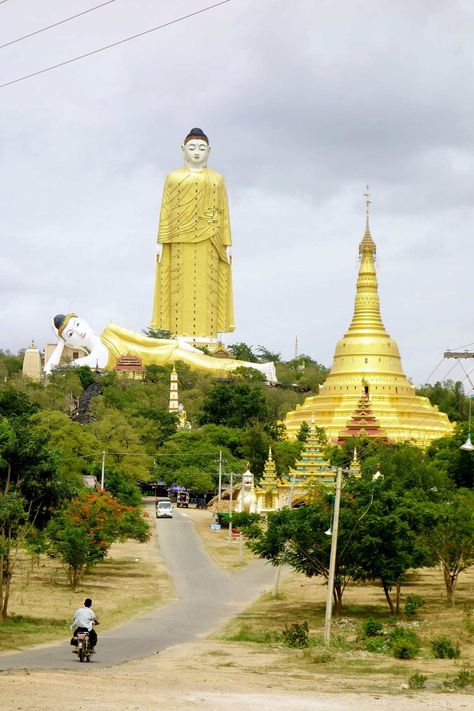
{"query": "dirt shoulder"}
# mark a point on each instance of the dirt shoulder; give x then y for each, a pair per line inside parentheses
(208, 675)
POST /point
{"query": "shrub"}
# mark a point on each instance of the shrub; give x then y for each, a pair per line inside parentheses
(443, 648)
(377, 645)
(417, 681)
(297, 635)
(412, 603)
(405, 643)
(405, 649)
(372, 628)
(464, 677)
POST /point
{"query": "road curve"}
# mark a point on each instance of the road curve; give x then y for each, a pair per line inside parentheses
(207, 594)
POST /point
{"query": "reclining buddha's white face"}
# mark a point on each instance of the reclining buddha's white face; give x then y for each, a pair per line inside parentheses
(77, 333)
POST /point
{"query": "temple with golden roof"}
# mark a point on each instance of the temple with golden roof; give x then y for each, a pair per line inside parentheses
(366, 383)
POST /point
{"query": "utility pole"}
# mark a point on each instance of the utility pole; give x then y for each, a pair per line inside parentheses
(332, 559)
(220, 478)
(230, 504)
(102, 476)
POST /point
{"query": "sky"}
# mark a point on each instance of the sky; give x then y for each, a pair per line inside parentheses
(305, 103)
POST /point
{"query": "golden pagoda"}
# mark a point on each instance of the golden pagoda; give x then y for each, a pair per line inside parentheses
(267, 491)
(309, 469)
(367, 360)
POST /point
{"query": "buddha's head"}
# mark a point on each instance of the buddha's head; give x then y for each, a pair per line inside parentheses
(196, 149)
(73, 329)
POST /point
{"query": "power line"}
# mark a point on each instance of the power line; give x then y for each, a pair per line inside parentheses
(115, 44)
(55, 24)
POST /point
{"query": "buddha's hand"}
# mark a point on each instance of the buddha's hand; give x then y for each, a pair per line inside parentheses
(213, 215)
(55, 358)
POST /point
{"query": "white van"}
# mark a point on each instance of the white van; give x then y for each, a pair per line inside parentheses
(164, 508)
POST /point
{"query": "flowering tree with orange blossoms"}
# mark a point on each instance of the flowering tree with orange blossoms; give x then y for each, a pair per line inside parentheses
(80, 535)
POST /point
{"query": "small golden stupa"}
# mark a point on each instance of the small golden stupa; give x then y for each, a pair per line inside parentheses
(367, 362)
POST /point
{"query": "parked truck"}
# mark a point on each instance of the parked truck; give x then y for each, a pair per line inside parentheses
(182, 499)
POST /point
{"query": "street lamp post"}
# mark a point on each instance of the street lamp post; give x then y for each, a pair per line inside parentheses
(332, 559)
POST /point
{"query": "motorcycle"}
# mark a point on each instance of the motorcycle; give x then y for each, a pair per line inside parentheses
(83, 650)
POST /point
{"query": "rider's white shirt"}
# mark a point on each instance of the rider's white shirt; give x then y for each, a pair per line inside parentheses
(84, 617)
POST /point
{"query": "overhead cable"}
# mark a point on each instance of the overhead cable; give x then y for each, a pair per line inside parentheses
(55, 24)
(115, 44)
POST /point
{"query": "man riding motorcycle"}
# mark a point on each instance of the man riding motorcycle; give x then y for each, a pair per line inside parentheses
(83, 621)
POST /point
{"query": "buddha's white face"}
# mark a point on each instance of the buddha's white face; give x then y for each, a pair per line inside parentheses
(77, 333)
(196, 153)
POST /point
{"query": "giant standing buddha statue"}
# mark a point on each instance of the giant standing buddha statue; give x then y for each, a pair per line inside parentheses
(193, 288)
(367, 364)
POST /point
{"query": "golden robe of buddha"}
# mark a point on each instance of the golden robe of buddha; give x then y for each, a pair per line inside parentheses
(193, 291)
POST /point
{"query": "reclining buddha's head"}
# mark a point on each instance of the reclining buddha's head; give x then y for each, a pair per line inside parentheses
(73, 329)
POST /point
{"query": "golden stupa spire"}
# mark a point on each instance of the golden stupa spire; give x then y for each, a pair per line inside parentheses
(367, 318)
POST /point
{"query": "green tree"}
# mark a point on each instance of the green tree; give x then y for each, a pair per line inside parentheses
(234, 404)
(29, 484)
(449, 397)
(255, 444)
(296, 537)
(242, 351)
(388, 525)
(122, 444)
(76, 444)
(80, 534)
(156, 332)
(264, 355)
(450, 538)
(189, 458)
(303, 432)
(10, 364)
(13, 529)
(446, 455)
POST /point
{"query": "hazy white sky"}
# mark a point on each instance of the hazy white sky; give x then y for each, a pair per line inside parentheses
(304, 103)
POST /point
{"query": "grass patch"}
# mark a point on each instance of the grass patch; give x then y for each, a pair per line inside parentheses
(18, 630)
(248, 634)
(130, 581)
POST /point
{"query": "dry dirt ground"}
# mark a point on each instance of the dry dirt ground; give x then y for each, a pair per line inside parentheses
(203, 675)
(214, 674)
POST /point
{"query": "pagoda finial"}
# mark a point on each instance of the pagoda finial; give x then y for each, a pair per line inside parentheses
(270, 457)
(367, 244)
(367, 202)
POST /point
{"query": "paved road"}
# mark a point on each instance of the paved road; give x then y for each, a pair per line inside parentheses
(208, 596)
